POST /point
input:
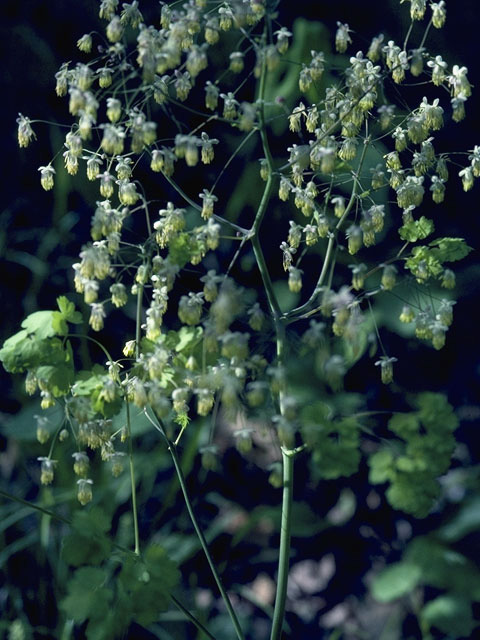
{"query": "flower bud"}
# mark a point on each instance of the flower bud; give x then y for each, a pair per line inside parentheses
(386, 368)
(389, 277)
(46, 470)
(295, 279)
(84, 490)
(81, 464)
(209, 457)
(407, 314)
(46, 177)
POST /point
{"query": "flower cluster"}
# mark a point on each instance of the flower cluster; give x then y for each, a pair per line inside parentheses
(153, 115)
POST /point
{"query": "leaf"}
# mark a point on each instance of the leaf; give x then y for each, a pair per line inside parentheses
(66, 314)
(381, 466)
(186, 336)
(432, 266)
(464, 522)
(395, 581)
(404, 424)
(29, 353)
(451, 614)
(39, 324)
(59, 324)
(67, 309)
(450, 249)
(87, 543)
(417, 229)
(58, 378)
(444, 568)
(86, 597)
(148, 583)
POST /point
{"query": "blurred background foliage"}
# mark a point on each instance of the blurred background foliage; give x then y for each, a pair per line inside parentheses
(344, 532)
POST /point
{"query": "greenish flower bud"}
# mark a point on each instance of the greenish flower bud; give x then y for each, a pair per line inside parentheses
(448, 279)
(295, 279)
(386, 368)
(84, 491)
(467, 178)
(389, 277)
(256, 317)
(355, 239)
(190, 308)
(407, 314)
(358, 275)
(46, 177)
(439, 14)
(47, 469)
(209, 457)
(445, 312)
(115, 29)
(342, 37)
(81, 464)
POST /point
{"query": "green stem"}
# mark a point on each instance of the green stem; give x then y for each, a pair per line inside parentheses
(262, 207)
(203, 542)
(192, 618)
(138, 321)
(284, 553)
(181, 478)
(132, 479)
(267, 281)
(99, 344)
(196, 206)
(35, 507)
(333, 236)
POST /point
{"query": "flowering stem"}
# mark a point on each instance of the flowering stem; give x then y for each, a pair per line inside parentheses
(181, 478)
(288, 457)
(138, 323)
(132, 478)
(267, 193)
(332, 239)
(203, 542)
(192, 618)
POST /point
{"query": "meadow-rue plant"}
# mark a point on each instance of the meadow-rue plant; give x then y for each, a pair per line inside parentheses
(161, 110)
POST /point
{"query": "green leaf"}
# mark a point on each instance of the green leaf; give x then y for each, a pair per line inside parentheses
(450, 249)
(87, 598)
(417, 229)
(444, 568)
(148, 583)
(87, 543)
(66, 314)
(381, 465)
(404, 424)
(67, 309)
(464, 522)
(432, 266)
(58, 378)
(395, 581)
(29, 353)
(59, 324)
(451, 614)
(186, 336)
(107, 627)
(39, 324)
